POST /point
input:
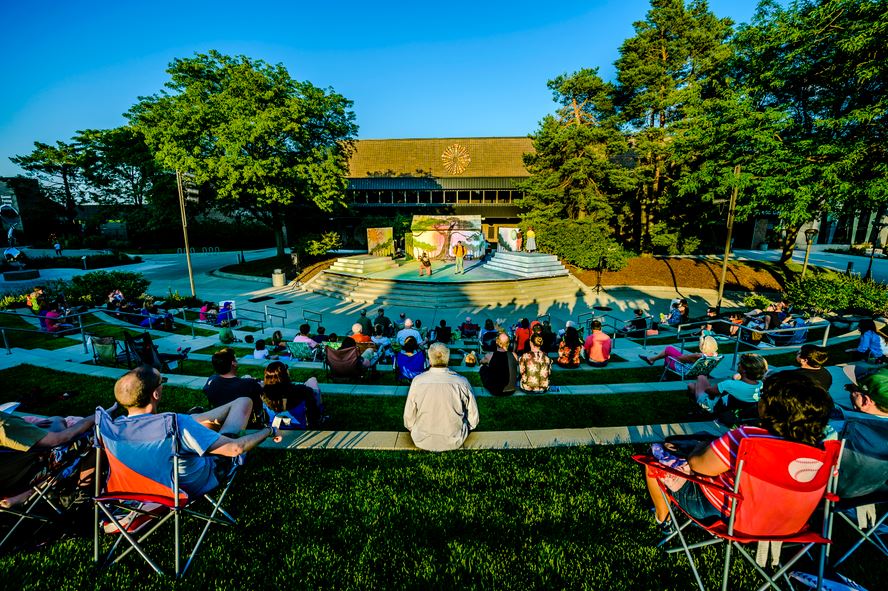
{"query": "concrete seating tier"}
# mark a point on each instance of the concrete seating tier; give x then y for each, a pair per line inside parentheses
(453, 294)
(363, 264)
(526, 264)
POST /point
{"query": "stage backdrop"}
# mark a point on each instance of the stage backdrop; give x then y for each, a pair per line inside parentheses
(380, 242)
(438, 234)
(508, 238)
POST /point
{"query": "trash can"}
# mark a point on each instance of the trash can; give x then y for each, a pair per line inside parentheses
(277, 278)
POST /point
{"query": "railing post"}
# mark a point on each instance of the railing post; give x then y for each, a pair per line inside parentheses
(5, 342)
(83, 337)
(736, 349)
(826, 334)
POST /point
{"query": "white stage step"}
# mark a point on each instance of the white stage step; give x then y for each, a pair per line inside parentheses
(363, 264)
(526, 264)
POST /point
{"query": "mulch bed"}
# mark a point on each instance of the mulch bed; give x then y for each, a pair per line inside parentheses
(688, 273)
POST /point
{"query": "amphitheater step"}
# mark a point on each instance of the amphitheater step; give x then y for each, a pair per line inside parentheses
(526, 264)
(363, 264)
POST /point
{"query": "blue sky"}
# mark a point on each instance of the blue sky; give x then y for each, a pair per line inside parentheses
(413, 69)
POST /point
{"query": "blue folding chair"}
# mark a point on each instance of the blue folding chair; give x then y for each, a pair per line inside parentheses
(143, 468)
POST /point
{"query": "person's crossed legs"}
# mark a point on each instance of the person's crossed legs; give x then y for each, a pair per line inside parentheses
(228, 419)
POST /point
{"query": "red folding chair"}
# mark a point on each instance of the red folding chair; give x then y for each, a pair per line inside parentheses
(143, 468)
(778, 489)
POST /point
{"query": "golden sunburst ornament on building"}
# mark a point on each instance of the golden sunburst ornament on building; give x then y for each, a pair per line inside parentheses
(456, 159)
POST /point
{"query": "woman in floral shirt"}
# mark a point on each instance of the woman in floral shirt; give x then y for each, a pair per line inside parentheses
(570, 348)
(535, 367)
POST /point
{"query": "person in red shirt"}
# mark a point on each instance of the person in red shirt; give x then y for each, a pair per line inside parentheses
(597, 346)
(791, 407)
(522, 336)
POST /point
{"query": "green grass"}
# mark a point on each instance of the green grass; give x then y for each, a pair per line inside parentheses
(562, 518)
(40, 389)
(99, 327)
(24, 335)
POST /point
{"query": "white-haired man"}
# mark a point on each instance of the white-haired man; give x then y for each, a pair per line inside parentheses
(441, 408)
(408, 331)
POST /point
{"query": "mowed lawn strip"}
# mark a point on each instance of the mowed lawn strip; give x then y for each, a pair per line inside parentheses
(558, 518)
(41, 391)
(24, 335)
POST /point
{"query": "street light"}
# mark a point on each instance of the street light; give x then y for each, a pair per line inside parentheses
(810, 233)
(877, 229)
(732, 206)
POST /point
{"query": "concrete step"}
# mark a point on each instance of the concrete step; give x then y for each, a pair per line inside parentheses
(363, 264)
(525, 264)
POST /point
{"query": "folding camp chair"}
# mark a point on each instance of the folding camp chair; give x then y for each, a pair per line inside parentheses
(407, 367)
(51, 476)
(689, 371)
(778, 488)
(343, 363)
(302, 352)
(143, 350)
(110, 351)
(863, 483)
(143, 468)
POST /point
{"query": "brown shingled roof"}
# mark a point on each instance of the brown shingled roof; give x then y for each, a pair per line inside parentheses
(440, 157)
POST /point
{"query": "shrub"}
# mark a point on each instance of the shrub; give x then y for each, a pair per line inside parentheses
(92, 289)
(326, 242)
(838, 293)
(93, 261)
(13, 300)
(755, 300)
(582, 243)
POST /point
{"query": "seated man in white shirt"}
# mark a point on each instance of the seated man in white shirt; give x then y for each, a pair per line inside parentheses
(441, 408)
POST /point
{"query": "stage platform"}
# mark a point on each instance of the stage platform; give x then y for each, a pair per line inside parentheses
(365, 279)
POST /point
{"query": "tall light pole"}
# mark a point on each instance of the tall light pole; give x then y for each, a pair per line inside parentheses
(877, 229)
(180, 183)
(730, 225)
(810, 233)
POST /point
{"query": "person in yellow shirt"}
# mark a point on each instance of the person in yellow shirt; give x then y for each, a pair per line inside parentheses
(531, 242)
(459, 251)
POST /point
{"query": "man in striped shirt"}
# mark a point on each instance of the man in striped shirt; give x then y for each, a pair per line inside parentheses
(791, 407)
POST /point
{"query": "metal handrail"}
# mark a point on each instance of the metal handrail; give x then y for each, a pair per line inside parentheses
(272, 312)
(251, 315)
(312, 316)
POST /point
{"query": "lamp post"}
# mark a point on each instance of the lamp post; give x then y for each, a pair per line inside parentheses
(877, 228)
(180, 181)
(810, 233)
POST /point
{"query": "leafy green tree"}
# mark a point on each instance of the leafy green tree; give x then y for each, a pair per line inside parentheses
(265, 141)
(120, 168)
(575, 168)
(662, 70)
(58, 169)
(803, 111)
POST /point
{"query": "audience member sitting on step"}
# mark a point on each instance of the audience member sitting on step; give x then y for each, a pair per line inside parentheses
(383, 343)
(441, 408)
(260, 352)
(488, 336)
(812, 359)
(226, 315)
(303, 337)
(549, 339)
(873, 343)
(597, 347)
(358, 335)
(535, 367)
(56, 321)
(636, 327)
(569, 349)
(499, 369)
(423, 333)
(522, 336)
(410, 360)
(443, 333)
(282, 396)
(468, 329)
(368, 358)
(408, 331)
(321, 335)
(277, 342)
(737, 394)
(708, 348)
(225, 386)
(387, 325)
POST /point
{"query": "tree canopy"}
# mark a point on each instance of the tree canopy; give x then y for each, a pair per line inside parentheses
(264, 141)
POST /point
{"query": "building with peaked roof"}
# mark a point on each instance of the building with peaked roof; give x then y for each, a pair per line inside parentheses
(459, 176)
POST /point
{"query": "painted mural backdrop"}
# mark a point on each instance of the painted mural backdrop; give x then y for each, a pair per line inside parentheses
(508, 238)
(438, 234)
(380, 242)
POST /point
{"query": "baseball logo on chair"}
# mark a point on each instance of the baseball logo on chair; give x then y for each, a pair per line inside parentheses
(804, 469)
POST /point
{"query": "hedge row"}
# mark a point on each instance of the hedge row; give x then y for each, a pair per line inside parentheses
(839, 294)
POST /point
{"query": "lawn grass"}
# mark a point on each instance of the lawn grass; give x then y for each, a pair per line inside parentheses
(25, 335)
(40, 390)
(100, 327)
(558, 518)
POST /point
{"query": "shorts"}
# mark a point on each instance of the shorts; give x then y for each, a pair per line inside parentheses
(691, 499)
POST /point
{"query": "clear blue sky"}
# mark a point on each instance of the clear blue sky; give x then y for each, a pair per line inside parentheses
(413, 69)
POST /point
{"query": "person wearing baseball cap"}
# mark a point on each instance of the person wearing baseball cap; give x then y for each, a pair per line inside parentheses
(870, 396)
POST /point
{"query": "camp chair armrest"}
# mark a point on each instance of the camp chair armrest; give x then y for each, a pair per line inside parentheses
(653, 463)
